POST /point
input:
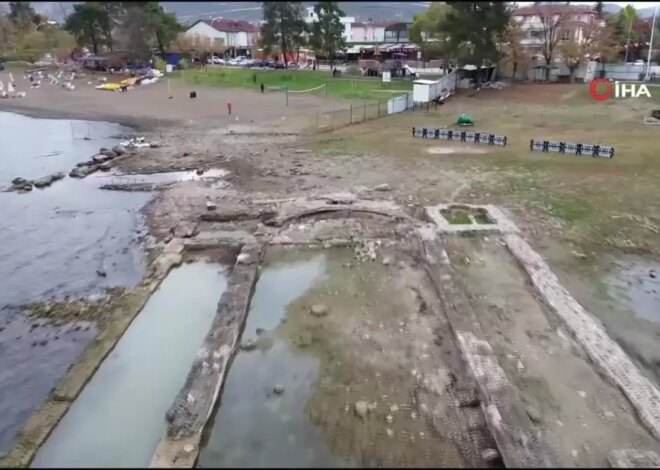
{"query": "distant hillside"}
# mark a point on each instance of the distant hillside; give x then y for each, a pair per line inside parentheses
(251, 11)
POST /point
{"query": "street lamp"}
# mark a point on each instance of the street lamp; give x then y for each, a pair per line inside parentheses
(648, 60)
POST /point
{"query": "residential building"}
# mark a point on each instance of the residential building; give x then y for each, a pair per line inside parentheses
(369, 31)
(573, 23)
(347, 21)
(235, 36)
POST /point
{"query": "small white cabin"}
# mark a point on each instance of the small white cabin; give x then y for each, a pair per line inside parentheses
(425, 91)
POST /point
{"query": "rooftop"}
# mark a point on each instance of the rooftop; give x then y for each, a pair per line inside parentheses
(552, 9)
(231, 26)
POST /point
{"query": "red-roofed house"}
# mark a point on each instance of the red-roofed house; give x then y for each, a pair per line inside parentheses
(231, 34)
(567, 22)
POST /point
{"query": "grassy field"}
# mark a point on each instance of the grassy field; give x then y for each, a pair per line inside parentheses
(596, 203)
(296, 80)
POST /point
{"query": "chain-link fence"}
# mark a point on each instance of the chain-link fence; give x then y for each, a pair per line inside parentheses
(353, 114)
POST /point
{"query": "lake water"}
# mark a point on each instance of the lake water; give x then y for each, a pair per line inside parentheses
(254, 427)
(119, 417)
(52, 243)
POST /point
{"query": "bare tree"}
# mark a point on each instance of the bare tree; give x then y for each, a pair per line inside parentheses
(553, 19)
(513, 51)
(591, 41)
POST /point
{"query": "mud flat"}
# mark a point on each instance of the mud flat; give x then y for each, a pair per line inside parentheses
(583, 417)
(120, 416)
(262, 421)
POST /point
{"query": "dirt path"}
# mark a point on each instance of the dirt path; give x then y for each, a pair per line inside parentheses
(582, 416)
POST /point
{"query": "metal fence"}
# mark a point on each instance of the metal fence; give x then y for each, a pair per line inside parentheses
(353, 114)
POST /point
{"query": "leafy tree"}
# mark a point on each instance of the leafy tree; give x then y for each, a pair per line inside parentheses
(472, 29)
(58, 41)
(7, 35)
(328, 32)
(160, 26)
(23, 17)
(427, 33)
(90, 24)
(598, 7)
(628, 15)
(283, 26)
(32, 46)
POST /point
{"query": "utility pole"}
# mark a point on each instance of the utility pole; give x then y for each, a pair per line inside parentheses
(648, 60)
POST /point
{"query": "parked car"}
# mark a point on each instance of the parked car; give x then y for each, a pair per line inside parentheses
(247, 63)
(233, 62)
(2, 65)
(279, 65)
(215, 61)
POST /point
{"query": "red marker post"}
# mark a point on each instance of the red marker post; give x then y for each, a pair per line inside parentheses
(229, 107)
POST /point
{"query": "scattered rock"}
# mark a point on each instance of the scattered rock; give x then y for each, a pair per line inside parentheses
(58, 176)
(652, 274)
(382, 187)
(43, 342)
(119, 150)
(361, 409)
(260, 331)
(534, 415)
(389, 419)
(106, 166)
(390, 433)
(18, 181)
(302, 151)
(188, 448)
(394, 408)
(582, 393)
(109, 154)
(248, 345)
(243, 258)
(489, 455)
(101, 273)
(278, 389)
(43, 182)
(387, 261)
(200, 171)
(99, 158)
(170, 415)
(210, 205)
(306, 339)
(319, 310)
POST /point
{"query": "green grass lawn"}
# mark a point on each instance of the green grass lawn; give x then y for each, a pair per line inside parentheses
(296, 80)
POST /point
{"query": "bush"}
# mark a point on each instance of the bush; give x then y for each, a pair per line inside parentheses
(159, 64)
(183, 65)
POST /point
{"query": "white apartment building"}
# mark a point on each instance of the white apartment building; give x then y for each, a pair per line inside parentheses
(575, 21)
(347, 21)
(228, 33)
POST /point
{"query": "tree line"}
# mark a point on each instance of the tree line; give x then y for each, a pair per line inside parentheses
(133, 27)
(486, 33)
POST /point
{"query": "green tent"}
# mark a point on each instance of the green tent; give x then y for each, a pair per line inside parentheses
(465, 120)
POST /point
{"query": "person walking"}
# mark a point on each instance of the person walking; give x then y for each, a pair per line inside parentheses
(262, 88)
(229, 107)
(254, 78)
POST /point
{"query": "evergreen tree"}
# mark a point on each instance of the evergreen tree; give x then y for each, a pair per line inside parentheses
(284, 26)
(328, 31)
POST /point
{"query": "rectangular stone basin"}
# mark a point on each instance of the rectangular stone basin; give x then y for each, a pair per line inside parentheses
(119, 416)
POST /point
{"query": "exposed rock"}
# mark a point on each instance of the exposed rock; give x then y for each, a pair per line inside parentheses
(306, 339)
(243, 258)
(200, 171)
(278, 389)
(319, 310)
(101, 273)
(210, 205)
(100, 158)
(119, 150)
(18, 181)
(43, 182)
(361, 408)
(382, 187)
(106, 166)
(58, 176)
(489, 455)
(389, 419)
(387, 261)
(248, 345)
(652, 274)
(108, 153)
(340, 198)
(25, 187)
(534, 414)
